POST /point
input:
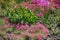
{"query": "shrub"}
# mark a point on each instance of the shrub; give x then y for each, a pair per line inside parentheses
(23, 15)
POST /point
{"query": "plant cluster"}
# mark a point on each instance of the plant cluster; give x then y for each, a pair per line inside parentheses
(21, 15)
(30, 20)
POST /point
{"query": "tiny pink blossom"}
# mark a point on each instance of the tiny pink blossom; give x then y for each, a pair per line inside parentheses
(7, 25)
(46, 35)
(45, 30)
(4, 26)
(20, 26)
(32, 28)
(26, 32)
(57, 5)
(39, 14)
(18, 35)
(39, 37)
(6, 20)
(40, 25)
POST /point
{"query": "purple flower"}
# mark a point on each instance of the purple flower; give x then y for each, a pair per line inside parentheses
(57, 5)
(42, 2)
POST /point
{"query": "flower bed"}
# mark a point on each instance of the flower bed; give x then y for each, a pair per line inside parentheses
(30, 20)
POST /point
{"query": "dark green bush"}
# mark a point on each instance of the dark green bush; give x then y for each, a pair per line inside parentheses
(23, 15)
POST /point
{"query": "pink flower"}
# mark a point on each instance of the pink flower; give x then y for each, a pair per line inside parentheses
(4, 26)
(6, 20)
(46, 35)
(57, 5)
(32, 28)
(24, 4)
(20, 26)
(11, 36)
(39, 14)
(40, 25)
(39, 37)
(32, 6)
(18, 36)
(26, 33)
(46, 32)
(7, 25)
(43, 2)
(31, 31)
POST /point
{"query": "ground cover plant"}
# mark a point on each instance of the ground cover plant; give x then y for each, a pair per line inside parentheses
(29, 19)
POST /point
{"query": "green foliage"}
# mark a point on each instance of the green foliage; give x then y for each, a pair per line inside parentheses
(19, 1)
(6, 3)
(9, 29)
(57, 13)
(21, 15)
(51, 21)
(1, 23)
(44, 18)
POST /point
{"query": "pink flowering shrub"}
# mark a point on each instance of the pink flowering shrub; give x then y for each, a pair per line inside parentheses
(43, 5)
(34, 30)
(37, 30)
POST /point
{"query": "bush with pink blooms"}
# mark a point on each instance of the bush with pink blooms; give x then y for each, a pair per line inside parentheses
(30, 20)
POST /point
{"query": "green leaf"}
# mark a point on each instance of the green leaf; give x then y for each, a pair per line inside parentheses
(10, 29)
